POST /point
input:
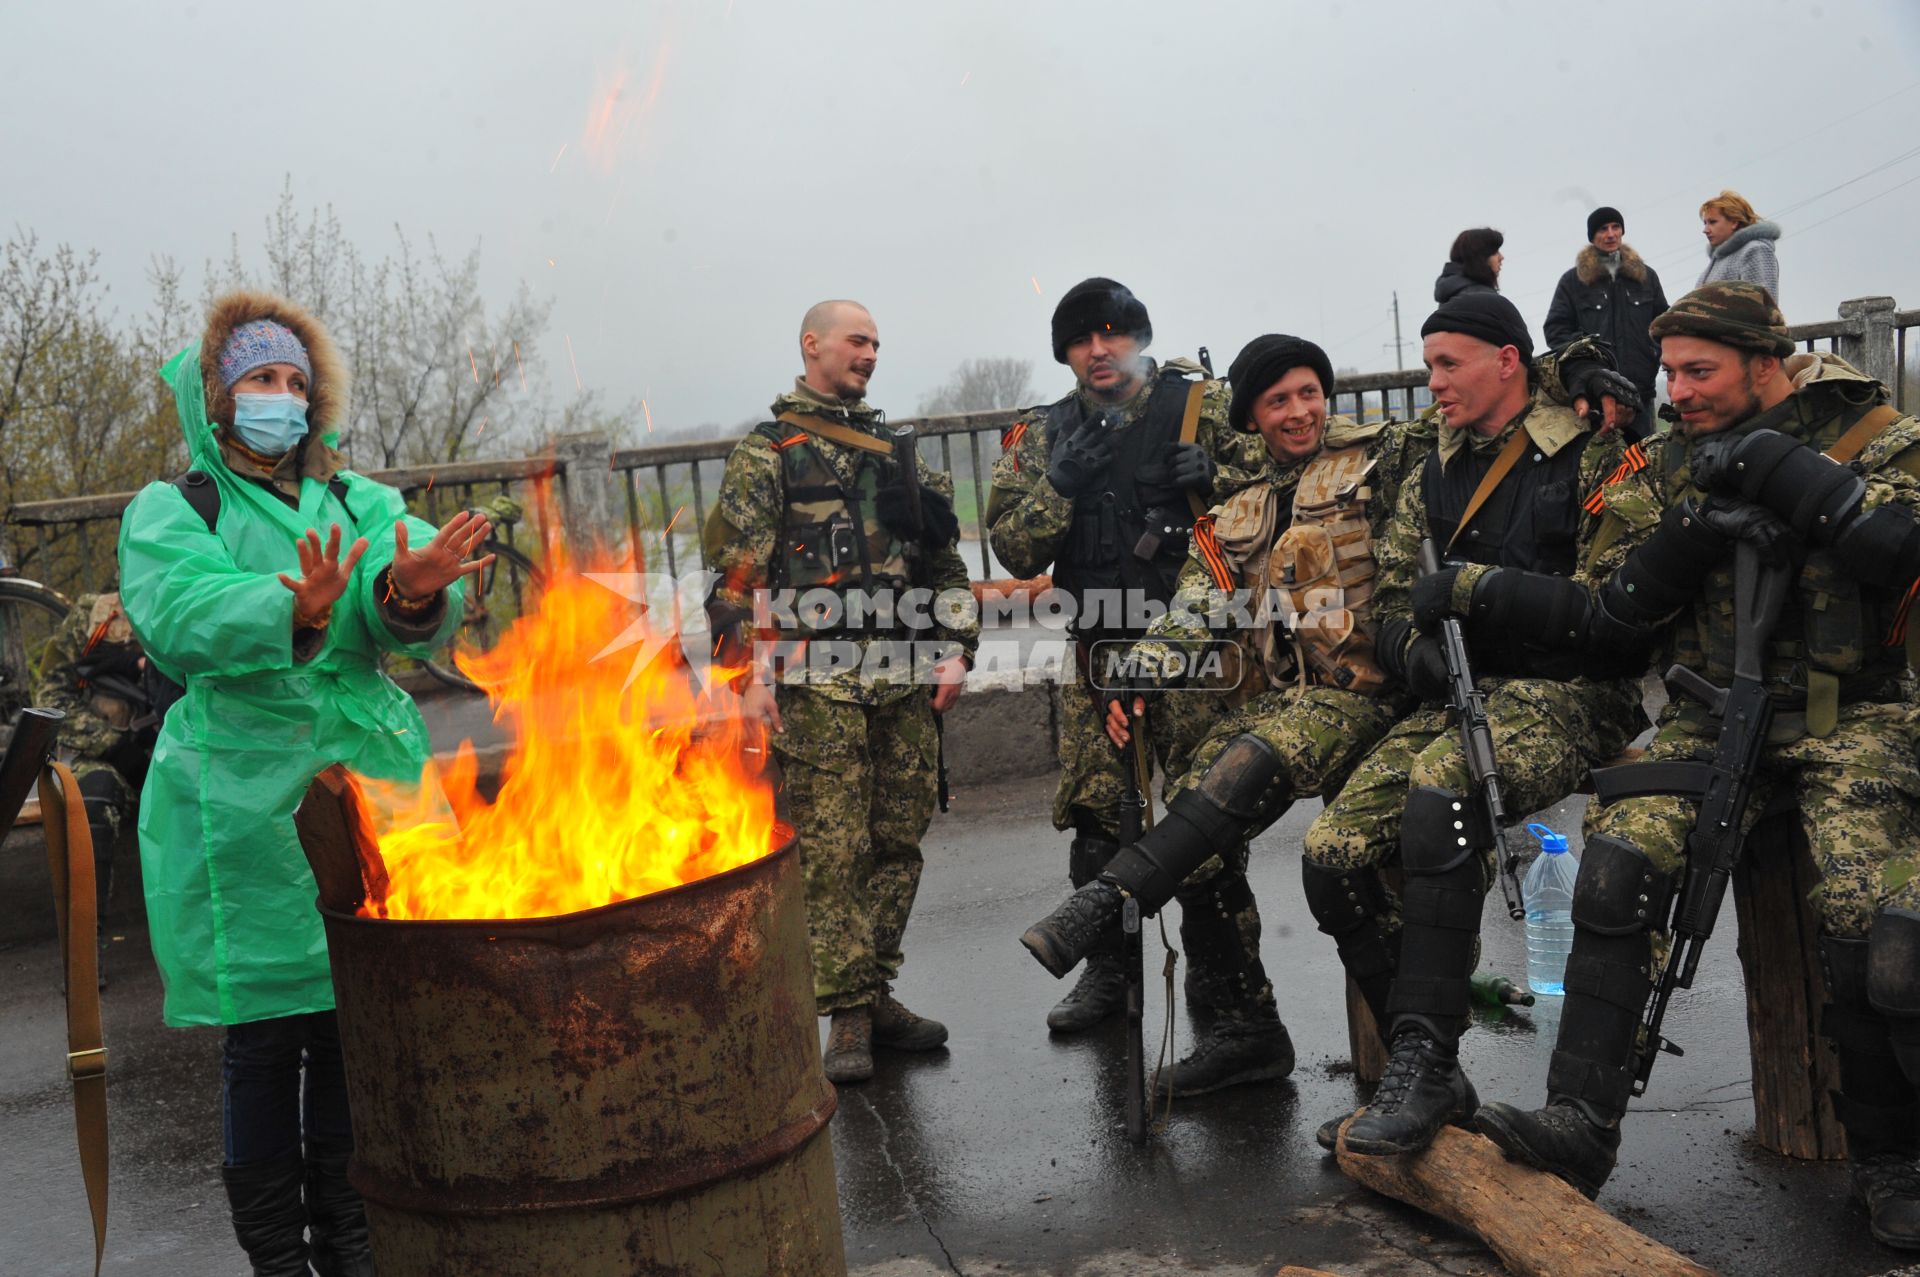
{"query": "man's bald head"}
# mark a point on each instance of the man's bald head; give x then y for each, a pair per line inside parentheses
(840, 344)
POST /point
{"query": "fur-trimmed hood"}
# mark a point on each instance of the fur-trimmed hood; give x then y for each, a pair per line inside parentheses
(326, 397)
(1762, 229)
(1590, 266)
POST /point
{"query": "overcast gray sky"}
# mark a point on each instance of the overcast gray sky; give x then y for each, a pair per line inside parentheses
(1244, 167)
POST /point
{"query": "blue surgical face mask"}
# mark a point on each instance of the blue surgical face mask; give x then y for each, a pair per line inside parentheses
(269, 424)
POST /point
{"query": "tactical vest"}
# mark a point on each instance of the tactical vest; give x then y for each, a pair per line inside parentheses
(1831, 644)
(1531, 522)
(831, 536)
(1116, 542)
(1323, 564)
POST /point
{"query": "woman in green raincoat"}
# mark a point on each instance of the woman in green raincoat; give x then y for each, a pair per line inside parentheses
(236, 593)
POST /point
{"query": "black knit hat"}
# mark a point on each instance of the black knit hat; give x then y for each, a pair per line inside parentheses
(1265, 360)
(1600, 217)
(1095, 305)
(1487, 316)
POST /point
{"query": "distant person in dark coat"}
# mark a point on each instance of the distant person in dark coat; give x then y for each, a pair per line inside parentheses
(1473, 266)
(1739, 244)
(1612, 294)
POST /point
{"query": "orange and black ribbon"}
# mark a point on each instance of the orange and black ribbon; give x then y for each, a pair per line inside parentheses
(1635, 462)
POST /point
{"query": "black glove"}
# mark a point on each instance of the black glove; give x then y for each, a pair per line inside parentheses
(1744, 521)
(1154, 486)
(1148, 669)
(1433, 598)
(1426, 674)
(1191, 469)
(1588, 380)
(1080, 461)
(894, 506)
(938, 526)
(1817, 496)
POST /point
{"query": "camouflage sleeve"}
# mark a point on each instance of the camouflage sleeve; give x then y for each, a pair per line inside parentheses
(743, 527)
(1600, 551)
(947, 571)
(1397, 554)
(1891, 463)
(1027, 518)
(1240, 454)
(58, 686)
(1400, 451)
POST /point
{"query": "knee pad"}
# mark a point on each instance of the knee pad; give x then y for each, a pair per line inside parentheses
(1247, 782)
(1844, 964)
(1893, 964)
(1619, 891)
(1342, 899)
(1087, 857)
(1440, 831)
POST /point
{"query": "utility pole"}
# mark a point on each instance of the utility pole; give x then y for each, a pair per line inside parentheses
(1399, 346)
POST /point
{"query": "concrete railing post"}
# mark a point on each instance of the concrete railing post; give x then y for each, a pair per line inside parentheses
(1868, 342)
(586, 496)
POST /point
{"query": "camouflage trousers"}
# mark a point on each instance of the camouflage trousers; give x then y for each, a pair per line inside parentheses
(859, 782)
(1857, 792)
(1547, 735)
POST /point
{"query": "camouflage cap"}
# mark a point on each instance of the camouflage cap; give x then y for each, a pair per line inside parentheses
(1733, 313)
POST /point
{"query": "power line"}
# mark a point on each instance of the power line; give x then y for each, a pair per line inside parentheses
(1849, 208)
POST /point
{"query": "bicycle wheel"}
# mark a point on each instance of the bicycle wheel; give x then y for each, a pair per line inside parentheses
(29, 614)
(495, 599)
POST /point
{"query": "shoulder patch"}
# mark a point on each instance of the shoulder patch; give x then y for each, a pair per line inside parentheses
(1636, 461)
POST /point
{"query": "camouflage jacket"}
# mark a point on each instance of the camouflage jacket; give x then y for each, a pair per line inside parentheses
(742, 535)
(1027, 517)
(99, 722)
(1837, 639)
(1201, 610)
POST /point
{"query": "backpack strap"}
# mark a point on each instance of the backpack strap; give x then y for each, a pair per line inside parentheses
(203, 494)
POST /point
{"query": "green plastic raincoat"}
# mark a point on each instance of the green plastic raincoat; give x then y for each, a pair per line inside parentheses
(230, 899)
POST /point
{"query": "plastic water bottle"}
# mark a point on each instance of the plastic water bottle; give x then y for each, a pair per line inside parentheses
(1548, 893)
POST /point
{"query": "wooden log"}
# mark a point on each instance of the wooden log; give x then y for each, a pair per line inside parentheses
(1294, 1270)
(1794, 1068)
(339, 843)
(1536, 1223)
(1363, 1038)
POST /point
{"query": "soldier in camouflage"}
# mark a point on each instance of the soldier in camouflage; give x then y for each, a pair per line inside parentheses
(1801, 455)
(1288, 564)
(92, 672)
(1102, 489)
(814, 522)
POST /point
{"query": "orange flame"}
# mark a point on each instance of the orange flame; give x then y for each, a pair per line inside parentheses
(625, 777)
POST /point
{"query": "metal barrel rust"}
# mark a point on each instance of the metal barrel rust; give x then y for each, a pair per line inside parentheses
(634, 1089)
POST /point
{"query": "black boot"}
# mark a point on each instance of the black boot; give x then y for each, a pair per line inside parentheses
(1443, 839)
(269, 1218)
(1245, 789)
(1348, 905)
(1093, 937)
(1238, 1036)
(1881, 1156)
(1617, 899)
(336, 1214)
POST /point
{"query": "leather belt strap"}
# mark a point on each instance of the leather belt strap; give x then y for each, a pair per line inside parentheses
(1189, 433)
(63, 818)
(834, 432)
(1509, 455)
(1862, 432)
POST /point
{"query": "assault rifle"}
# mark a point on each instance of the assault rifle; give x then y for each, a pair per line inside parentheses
(34, 736)
(1468, 710)
(1721, 786)
(906, 458)
(1133, 806)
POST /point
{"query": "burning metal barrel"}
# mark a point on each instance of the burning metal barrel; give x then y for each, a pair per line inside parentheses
(629, 1089)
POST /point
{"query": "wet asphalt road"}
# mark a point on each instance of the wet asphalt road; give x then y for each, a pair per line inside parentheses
(1002, 1153)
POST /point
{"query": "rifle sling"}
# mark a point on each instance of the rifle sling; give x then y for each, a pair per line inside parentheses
(63, 819)
(1502, 464)
(834, 432)
(1862, 432)
(1646, 780)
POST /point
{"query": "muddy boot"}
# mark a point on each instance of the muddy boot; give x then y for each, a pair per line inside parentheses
(1100, 992)
(895, 1026)
(849, 1053)
(1422, 1090)
(1243, 791)
(1885, 1175)
(1231, 1048)
(1609, 980)
(1348, 905)
(269, 1218)
(336, 1215)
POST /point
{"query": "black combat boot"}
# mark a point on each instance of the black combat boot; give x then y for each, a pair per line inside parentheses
(1090, 934)
(1881, 1156)
(1237, 1033)
(1243, 791)
(1618, 899)
(1443, 839)
(269, 1217)
(1348, 905)
(336, 1214)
